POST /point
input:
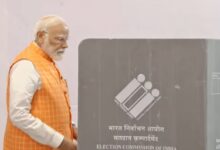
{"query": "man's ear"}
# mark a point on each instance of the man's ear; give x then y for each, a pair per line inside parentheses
(40, 36)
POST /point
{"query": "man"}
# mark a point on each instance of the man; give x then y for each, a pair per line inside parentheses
(39, 113)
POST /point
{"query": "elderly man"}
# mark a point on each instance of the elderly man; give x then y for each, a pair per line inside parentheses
(39, 113)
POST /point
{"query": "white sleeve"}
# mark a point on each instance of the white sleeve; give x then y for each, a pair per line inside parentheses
(24, 81)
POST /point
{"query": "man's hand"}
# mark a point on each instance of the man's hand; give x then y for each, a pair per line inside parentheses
(68, 144)
(75, 132)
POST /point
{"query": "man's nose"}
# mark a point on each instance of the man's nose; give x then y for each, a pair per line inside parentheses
(65, 45)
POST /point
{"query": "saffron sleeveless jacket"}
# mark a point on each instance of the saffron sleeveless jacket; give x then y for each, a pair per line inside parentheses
(50, 103)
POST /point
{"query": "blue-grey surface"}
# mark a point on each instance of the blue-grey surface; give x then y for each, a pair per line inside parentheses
(213, 103)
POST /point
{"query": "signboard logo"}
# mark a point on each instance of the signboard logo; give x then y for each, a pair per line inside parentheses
(137, 97)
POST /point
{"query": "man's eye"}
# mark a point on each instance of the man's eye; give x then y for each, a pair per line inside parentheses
(60, 39)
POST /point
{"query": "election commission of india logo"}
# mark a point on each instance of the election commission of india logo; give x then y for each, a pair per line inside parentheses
(137, 97)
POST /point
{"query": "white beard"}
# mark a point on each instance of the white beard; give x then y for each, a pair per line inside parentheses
(58, 55)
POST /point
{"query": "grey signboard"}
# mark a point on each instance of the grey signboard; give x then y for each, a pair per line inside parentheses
(143, 94)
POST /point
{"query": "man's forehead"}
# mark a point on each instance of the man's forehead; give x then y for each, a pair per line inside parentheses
(61, 35)
(59, 32)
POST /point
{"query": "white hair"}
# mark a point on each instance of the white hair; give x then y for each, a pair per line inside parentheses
(47, 21)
